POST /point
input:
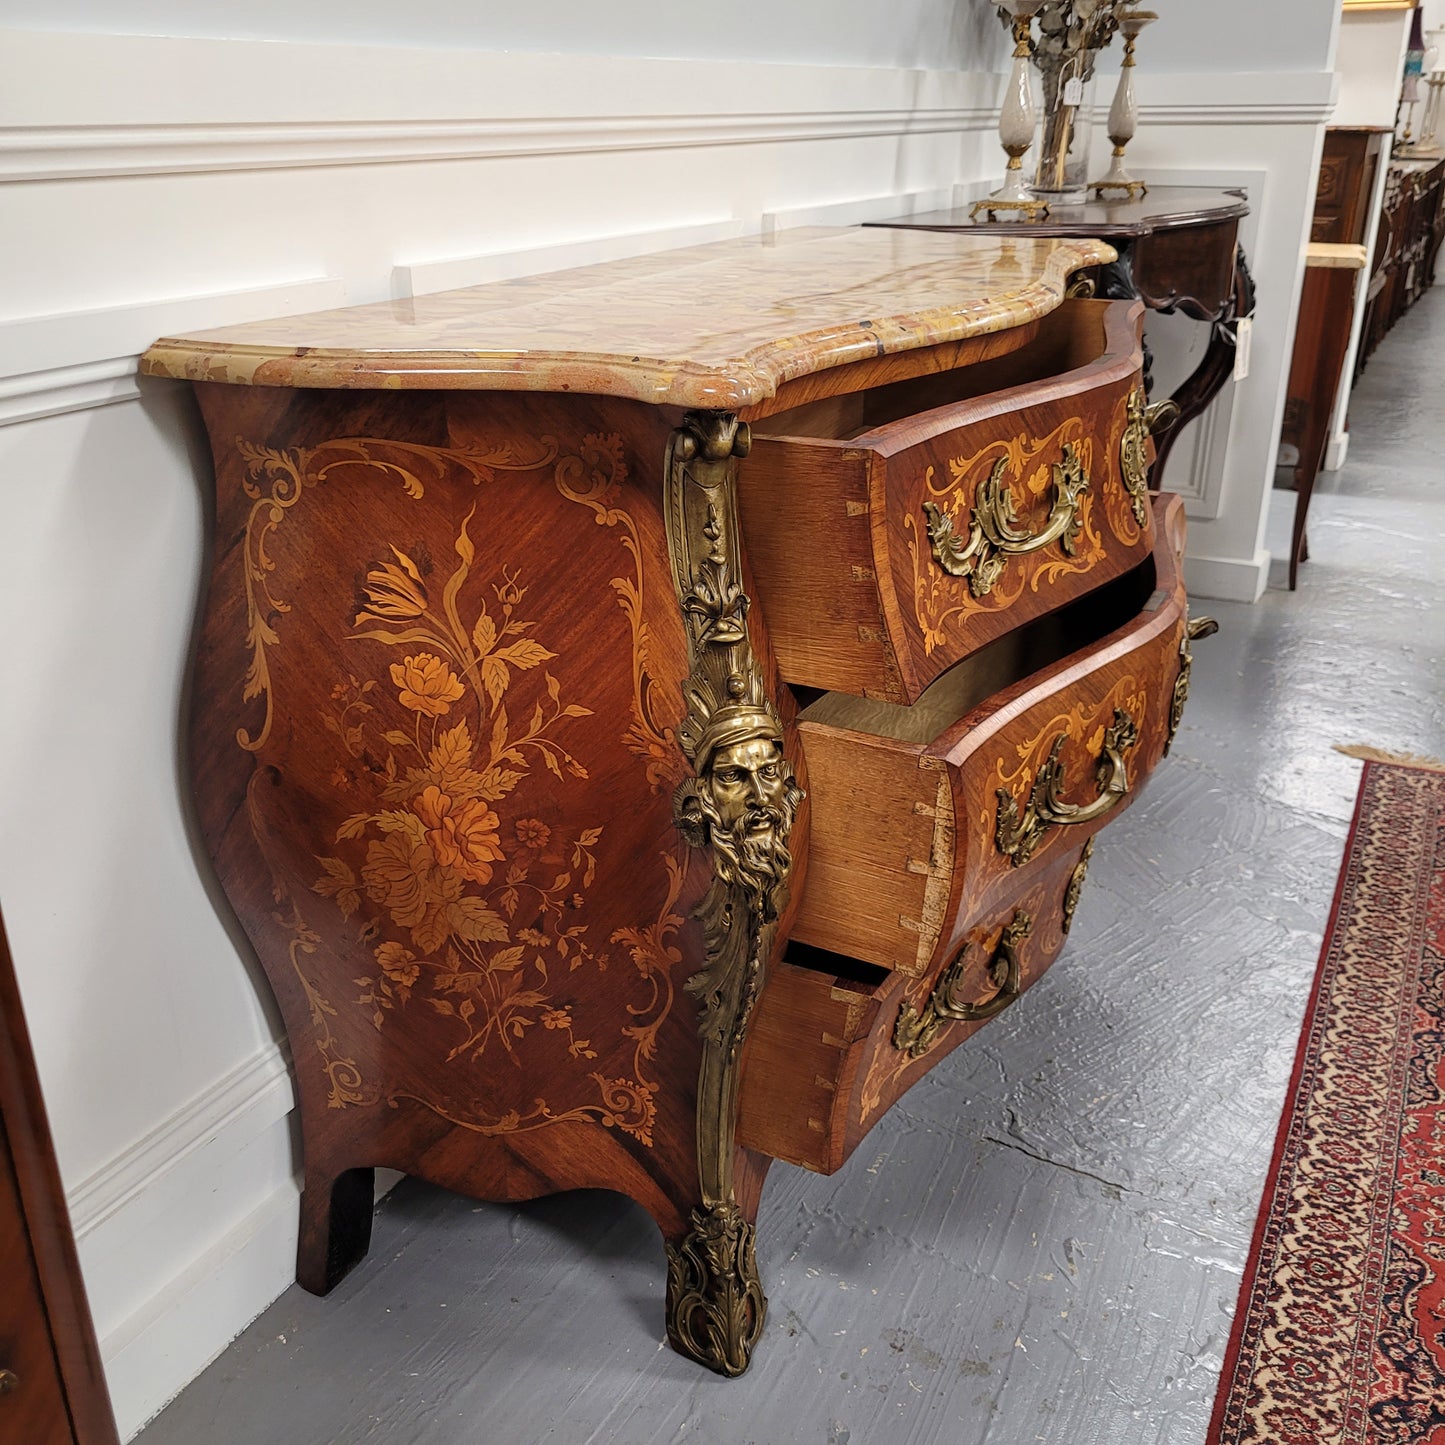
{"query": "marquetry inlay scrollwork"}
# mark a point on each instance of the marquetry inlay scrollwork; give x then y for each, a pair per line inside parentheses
(739, 805)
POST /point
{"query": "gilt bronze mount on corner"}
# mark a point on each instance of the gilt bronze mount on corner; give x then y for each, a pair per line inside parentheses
(1196, 628)
(739, 805)
(1076, 887)
(1143, 420)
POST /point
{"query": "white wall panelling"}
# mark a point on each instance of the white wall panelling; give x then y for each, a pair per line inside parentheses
(421, 278)
(928, 34)
(1226, 555)
(155, 184)
(1370, 64)
(74, 360)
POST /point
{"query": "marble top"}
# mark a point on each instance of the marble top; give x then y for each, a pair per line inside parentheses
(720, 326)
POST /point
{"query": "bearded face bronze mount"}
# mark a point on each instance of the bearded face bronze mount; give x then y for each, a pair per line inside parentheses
(739, 805)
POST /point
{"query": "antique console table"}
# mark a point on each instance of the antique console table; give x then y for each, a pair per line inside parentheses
(1178, 251)
(645, 717)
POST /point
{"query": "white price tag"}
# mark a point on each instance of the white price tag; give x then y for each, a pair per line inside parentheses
(1074, 91)
(1243, 333)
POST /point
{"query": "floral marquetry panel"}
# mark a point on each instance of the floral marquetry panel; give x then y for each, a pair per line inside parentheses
(426, 757)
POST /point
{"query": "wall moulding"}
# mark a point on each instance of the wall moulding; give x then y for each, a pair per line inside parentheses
(367, 107)
(76, 152)
(70, 361)
(420, 278)
(252, 1097)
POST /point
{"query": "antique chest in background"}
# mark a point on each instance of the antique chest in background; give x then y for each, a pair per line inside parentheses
(645, 717)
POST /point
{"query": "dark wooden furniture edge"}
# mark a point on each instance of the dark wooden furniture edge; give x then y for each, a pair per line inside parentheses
(1068, 222)
(42, 1198)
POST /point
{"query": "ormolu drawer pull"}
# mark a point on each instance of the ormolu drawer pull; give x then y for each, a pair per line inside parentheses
(994, 534)
(1018, 837)
(9, 1382)
(1161, 415)
(1143, 421)
(1196, 627)
(916, 1032)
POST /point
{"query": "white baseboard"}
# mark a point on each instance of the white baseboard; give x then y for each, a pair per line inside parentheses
(187, 1235)
(855, 213)
(241, 1104)
(182, 1329)
(1231, 579)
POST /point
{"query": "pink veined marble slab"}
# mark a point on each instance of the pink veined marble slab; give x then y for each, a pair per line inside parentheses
(719, 326)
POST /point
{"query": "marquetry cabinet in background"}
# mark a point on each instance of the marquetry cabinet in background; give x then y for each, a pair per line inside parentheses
(1348, 168)
(1407, 245)
(52, 1391)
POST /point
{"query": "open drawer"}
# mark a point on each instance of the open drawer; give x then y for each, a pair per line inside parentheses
(928, 844)
(894, 531)
(834, 1041)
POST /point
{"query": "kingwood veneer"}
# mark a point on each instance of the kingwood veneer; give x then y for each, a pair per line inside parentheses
(646, 716)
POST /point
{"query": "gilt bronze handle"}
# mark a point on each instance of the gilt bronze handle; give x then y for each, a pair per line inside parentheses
(1019, 836)
(1161, 415)
(1144, 420)
(994, 534)
(916, 1031)
(1195, 628)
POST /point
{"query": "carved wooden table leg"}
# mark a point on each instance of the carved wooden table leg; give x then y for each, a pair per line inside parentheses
(1322, 338)
(1216, 366)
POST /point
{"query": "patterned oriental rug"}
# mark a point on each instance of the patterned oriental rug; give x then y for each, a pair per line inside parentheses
(1339, 1337)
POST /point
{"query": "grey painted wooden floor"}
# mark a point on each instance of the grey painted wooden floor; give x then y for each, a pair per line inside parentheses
(1044, 1240)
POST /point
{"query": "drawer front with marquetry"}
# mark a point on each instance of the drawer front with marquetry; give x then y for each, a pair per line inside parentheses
(886, 554)
(922, 828)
